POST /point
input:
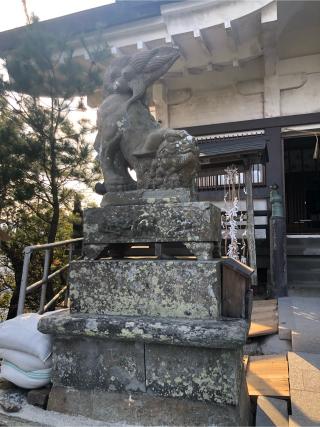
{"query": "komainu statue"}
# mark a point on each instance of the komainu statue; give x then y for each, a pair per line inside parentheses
(129, 136)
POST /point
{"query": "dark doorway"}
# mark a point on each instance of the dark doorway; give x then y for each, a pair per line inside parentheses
(302, 180)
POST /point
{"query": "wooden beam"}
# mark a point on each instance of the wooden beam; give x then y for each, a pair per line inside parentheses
(232, 42)
(142, 45)
(177, 44)
(198, 35)
(271, 122)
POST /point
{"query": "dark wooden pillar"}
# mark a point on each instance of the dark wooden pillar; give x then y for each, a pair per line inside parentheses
(275, 167)
(278, 247)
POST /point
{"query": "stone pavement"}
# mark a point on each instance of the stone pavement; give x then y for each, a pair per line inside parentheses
(304, 374)
(10, 421)
(299, 320)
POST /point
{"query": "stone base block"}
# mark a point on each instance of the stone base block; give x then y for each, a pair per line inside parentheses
(212, 375)
(186, 359)
(163, 222)
(145, 410)
(177, 288)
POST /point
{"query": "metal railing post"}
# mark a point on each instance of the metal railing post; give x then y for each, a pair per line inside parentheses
(66, 297)
(46, 267)
(24, 280)
(24, 289)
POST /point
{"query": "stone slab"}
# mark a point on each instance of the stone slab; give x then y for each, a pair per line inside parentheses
(271, 412)
(226, 333)
(164, 222)
(285, 318)
(305, 408)
(304, 376)
(212, 375)
(39, 397)
(88, 363)
(178, 288)
(146, 410)
(304, 371)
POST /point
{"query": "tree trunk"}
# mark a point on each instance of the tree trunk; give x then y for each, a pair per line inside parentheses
(12, 312)
(54, 223)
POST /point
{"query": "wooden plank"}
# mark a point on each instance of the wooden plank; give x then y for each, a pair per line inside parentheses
(268, 376)
(264, 318)
(234, 288)
(264, 302)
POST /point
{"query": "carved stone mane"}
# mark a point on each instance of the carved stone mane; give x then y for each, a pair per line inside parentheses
(128, 135)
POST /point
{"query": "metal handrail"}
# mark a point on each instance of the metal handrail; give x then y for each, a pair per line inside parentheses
(24, 289)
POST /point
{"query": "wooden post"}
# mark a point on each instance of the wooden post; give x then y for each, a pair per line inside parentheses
(278, 247)
(250, 227)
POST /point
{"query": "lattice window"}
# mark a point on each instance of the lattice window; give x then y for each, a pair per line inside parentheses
(215, 182)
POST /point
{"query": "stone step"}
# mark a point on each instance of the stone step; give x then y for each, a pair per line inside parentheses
(303, 246)
(304, 262)
(303, 271)
(271, 412)
(304, 377)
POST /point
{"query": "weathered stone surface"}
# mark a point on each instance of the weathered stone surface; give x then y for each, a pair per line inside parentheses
(202, 250)
(142, 197)
(229, 333)
(197, 374)
(146, 410)
(129, 136)
(39, 397)
(166, 222)
(87, 363)
(175, 288)
(12, 401)
(10, 421)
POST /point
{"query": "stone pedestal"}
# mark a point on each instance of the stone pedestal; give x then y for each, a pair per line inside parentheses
(145, 342)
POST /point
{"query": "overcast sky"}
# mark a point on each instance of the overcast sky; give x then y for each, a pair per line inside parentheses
(12, 13)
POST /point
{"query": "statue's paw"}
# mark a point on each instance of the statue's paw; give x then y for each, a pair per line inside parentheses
(100, 188)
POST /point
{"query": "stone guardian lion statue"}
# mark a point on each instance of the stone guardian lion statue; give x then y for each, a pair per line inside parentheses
(129, 136)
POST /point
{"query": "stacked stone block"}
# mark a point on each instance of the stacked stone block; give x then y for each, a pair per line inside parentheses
(145, 337)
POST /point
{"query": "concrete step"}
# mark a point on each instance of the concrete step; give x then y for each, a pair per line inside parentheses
(285, 318)
(307, 245)
(271, 412)
(304, 261)
(303, 270)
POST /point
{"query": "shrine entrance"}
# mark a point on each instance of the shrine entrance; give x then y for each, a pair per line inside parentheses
(302, 183)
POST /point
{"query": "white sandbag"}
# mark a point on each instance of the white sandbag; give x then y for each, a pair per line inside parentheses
(25, 361)
(21, 333)
(21, 378)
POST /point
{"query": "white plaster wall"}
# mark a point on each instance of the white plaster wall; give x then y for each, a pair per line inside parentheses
(302, 100)
(207, 107)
